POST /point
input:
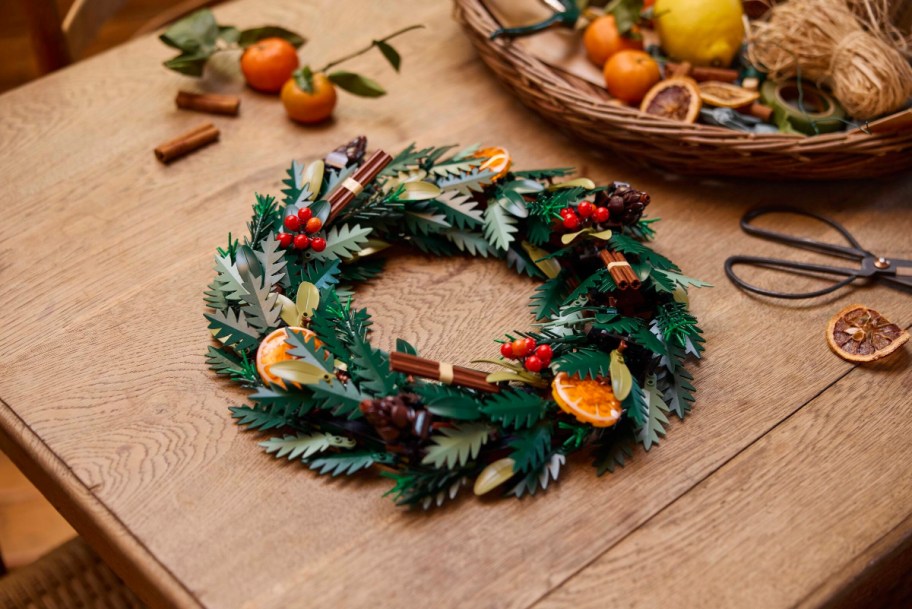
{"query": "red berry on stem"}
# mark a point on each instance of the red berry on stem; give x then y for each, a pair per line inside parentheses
(519, 348)
(544, 353)
(571, 222)
(301, 242)
(318, 244)
(284, 240)
(506, 349)
(601, 214)
(313, 225)
(585, 209)
(566, 212)
(530, 345)
(304, 214)
(534, 364)
(292, 222)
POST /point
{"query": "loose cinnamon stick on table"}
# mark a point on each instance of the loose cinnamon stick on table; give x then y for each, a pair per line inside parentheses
(352, 186)
(188, 142)
(440, 371)
(620, 270)
(208, 102)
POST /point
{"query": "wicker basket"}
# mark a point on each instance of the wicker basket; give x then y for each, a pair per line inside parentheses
(583, 109)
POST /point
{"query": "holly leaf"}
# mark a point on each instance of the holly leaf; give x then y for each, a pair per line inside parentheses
(348, 463)
(500, 227)
(254, 35)
(232, 329)
(456, 445)
(356, 84)
(448, 402)
(514, 408)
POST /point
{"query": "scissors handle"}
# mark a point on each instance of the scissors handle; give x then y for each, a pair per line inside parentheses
(856, 252)
(785, 265)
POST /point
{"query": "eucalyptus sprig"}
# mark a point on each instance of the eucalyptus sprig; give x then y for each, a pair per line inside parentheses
(356, 84)
(198, 37)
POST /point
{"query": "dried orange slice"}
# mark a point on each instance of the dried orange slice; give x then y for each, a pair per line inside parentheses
(497, 160)
(726, 95)
(274, 349)
(589, 400)
(860, 334)
(674, 98)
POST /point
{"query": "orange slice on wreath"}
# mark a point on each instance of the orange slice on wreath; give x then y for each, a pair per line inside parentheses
(497, 160)
(589, 400)
(860, 334)
(275, 349)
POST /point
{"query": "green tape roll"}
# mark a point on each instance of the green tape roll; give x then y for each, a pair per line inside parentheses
(821, 110)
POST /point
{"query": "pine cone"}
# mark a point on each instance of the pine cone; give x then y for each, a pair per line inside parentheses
(625, 204)
(398, 418)
(351, 153)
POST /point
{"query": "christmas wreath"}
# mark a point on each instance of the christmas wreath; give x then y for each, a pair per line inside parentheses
(601, 370)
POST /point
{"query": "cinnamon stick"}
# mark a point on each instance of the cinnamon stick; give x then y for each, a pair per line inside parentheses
(620, 270)
(764, 113)
(439, 371)
(352, 186)
(701, 73)
(208, 102)
(188, 142)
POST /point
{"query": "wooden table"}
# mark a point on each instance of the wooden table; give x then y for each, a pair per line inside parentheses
(790, 485)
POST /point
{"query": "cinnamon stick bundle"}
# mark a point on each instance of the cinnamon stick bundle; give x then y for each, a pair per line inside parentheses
(439, 371)
(188, 142)
(352, 186)
(620, 270)
(208, 102)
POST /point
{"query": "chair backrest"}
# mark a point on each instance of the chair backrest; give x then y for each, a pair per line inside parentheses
(58, 41)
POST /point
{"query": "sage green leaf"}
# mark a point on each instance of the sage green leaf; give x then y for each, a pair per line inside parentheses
(392, 56)
(549, 266)
(299, 371)
(514, 203)
(357, 84)
(653, 427)
(254, 35)
(343, 241)
(500, 227)
(456, 445)
(196, 32)
(494, 475)
(621, 379)
(568, 238)
(604, 235)
(303, 446)
(526, 379)
(308, 299)
(419, 191)
(189, 64)
(313, 176)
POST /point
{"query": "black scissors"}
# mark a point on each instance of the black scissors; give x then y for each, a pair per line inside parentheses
(872, 267)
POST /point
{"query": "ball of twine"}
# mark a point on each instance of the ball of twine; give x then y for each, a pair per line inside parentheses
(823, 40)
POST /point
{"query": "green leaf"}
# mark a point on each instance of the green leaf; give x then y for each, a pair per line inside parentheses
(238, 368)
(648, 433)
(635, 405)
(260, 304)
(500, 227)
(540, 477)
(425, 222)
(198, 31)
(448, 402)
(612, 451)
(403, 346)
(348, 463)
(518, 260)
(586, 362)
(343, 242)
(298, 371)
(189, 64)
(466, 183)
(678, 389)
(229, 33)
(228, 278)
(514, 408)
(456, 445)
(356, 84)
(392, 56)
(460, 209)
(257, 419)
(278, 400)
(530, 448)
(305, 347)
(302, 446)
(254, 35)
(618, 324)
(469, 242)
(265, 218)
(629, 245)
(370, 367)
(343, 399)
(677, 279)
(232, 329)
(322, 273)
(425, 488)
(548, 296)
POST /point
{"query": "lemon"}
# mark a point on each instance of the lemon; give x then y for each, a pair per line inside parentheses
(703, 32)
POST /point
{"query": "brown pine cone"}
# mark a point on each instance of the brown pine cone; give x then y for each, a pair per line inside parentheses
(351, 153)
(625, 204)
(398, 418)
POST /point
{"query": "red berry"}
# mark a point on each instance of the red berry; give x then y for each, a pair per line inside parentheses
(534, 364)
(544, 353)
(318, 244)
(585, 209)
(292, 222)
(519, 348)
(301, 242)
(506, 349)
(304, 214)
(566, 212)
(530, 345)
(601, 214)
(284, 240)
(571, 222)
(313, 225)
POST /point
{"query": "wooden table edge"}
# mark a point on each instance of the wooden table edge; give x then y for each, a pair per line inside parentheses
(107, 535)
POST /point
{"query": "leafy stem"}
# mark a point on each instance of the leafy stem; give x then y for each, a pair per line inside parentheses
(380, 44)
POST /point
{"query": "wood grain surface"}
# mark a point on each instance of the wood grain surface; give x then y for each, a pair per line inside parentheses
(793, 461)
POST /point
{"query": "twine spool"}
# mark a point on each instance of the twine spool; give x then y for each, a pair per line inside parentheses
(824, 40)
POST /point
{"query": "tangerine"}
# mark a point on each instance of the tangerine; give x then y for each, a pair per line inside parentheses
(602, 39)
(589, 400)
(629, 75)
(309, 107)
(268, 63)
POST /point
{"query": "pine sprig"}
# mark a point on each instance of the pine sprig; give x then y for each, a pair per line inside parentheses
(515, 408)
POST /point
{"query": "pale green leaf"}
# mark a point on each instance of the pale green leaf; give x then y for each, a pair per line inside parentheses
(456, 445)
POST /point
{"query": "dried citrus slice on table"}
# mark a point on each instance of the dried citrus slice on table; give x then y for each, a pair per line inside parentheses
(726, 95)
(860, 334)
(589, 400)
(674, 98)
(497, 161)
(274, 349)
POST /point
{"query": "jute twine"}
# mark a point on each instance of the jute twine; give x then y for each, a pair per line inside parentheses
(855, 52)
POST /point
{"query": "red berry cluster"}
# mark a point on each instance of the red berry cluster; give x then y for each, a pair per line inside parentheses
(585, 211)
(534, 357)
(303, 224)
